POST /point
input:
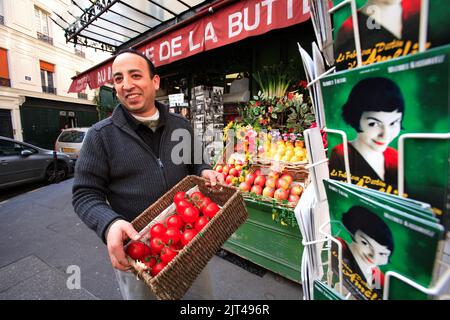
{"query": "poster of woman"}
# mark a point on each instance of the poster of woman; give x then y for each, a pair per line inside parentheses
(387, 28)
(374, 109)
(374, 106)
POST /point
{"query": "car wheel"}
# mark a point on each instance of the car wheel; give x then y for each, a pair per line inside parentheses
(61, 173)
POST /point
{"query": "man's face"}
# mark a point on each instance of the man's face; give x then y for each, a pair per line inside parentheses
(370, 250)
(135, 89)
(379, 128)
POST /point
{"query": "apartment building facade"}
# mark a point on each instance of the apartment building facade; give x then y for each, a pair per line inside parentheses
(36, 67)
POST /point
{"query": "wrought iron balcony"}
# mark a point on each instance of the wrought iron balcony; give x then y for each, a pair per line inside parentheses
(49, 89)
(45, 38)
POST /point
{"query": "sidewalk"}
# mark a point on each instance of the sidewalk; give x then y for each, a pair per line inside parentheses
(43, 242)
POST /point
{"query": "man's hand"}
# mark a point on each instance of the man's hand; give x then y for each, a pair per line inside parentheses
(119, 231)
(214, 177)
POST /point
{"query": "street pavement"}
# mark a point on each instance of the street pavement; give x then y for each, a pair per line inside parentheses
(44, 246)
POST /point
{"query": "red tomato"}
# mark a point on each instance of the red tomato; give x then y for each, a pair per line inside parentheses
(173, 235)
(197, 196)
(158, 230)
(205, 202)
(182, 205)
(137, 250)
(190, 214)
(187, 236)
(211, 209)
(157, 268)
(156, 244)
(167, 255)
(180, 195)
(149, 262)
(189, 225)
(201, 223)
(174, 221)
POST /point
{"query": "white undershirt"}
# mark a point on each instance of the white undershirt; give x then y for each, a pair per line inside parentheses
(143, 119)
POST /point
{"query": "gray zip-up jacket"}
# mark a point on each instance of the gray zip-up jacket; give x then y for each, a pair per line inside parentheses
(117, 175)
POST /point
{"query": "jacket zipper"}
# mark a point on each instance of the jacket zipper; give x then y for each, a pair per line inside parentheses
(161, 165)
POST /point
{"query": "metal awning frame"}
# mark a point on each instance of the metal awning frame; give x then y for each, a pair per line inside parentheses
(89, 38)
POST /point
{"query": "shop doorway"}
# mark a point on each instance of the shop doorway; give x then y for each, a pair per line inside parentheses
(6, 129)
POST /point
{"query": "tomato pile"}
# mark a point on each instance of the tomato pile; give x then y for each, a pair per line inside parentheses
(166, 239)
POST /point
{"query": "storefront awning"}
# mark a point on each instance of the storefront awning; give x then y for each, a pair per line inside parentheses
(212, 27)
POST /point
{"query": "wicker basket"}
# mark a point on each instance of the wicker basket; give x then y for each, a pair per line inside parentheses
(177, 277)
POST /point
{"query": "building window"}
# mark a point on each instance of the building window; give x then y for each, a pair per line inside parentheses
(79, 51)
(42, 25)
(47, 77)
(82, 95)
(4, 72)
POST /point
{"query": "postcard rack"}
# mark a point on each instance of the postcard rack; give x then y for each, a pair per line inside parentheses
(444, 275)
(436, 290)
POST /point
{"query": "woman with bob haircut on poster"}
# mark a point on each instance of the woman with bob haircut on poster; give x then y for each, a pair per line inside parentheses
(375, 109)
(371, 247)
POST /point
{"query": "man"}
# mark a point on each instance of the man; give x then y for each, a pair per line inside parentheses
(126, 164)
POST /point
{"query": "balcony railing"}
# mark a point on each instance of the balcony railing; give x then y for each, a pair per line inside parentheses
(49, 89)
(80, 53)
(82, 95)
(45, 38)
(2, 20)
(5, 82)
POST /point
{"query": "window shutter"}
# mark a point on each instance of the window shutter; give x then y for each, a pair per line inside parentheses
(4, 73)
(47, 66)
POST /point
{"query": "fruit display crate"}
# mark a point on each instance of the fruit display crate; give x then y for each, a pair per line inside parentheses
(179, 274)
(267, 243)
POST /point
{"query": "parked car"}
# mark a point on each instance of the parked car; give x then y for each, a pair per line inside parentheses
(70, 141)
(22, 162)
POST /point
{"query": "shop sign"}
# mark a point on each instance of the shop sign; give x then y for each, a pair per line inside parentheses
(233, 23)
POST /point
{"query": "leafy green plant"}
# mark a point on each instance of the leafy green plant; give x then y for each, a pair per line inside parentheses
(272, 81)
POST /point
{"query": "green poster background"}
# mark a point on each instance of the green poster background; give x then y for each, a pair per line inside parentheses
(427, 110)
(414, 253)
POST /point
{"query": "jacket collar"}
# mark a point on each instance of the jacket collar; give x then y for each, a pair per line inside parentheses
(122, 118)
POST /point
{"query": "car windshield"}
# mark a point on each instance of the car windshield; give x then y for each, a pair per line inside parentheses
(72, 136)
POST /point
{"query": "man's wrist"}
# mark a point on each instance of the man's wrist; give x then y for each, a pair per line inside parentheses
(109, 226)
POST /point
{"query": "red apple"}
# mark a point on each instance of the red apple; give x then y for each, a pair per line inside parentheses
(297, 190)
(293, 198)
(283, 184)
(268, 192)
(287, 177)
(226, 169)
(257, 172)
(234, 172)
(271, 183)
(257, 189)
(250, 178)
(244, 187)
(238, 167)
(281, 194)
(260, 180)
(229, 179)
(274, 174)
(219, 168)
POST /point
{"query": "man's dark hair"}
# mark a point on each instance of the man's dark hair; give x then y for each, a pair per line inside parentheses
(360, 218)
(151, 66)
(372, 94)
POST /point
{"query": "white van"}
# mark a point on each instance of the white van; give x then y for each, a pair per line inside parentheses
(70, 141)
